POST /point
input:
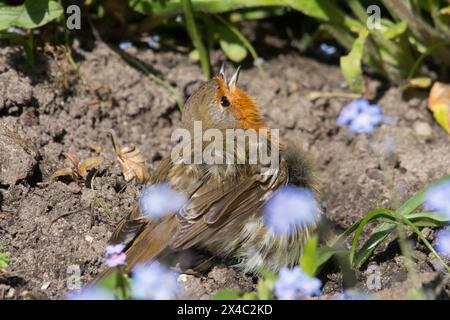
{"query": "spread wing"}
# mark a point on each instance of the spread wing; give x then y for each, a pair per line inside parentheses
(215, 205)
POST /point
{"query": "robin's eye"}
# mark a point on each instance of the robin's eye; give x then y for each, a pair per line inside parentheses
(224, 102)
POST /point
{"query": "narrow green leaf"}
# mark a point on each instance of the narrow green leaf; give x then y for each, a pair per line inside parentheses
(376, 238)
(427, 219)
(351, 64)
(308, 260)
(173, 7)
(386, 213)
(395, 30)
(195, 36)
(325, 10)
(424, 240)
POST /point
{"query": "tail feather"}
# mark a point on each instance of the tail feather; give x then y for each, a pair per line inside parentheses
(148, 245)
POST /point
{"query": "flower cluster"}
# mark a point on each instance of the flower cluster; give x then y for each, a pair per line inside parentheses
(294, 284)
(114, 255)
(437, 198)
(361, 116)
(124, 45)
(354, 295)
(154, 42)
(443, 243)
(154, 281)
(159, 200)
(328, 49)
(150, 281)
(289, 209)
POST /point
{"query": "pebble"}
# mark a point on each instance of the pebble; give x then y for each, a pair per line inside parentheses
(422, 128)
(45, 285)
(11, 293)
(89, 238)
(182, 278)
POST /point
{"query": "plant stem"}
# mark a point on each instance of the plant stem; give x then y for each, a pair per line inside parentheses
(195, 37)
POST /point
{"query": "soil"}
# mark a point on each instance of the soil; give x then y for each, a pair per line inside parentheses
(52, 230)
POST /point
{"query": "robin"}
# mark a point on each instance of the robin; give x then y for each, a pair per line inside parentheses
(223, 217)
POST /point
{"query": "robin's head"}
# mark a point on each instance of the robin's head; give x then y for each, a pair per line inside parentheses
(222, 105)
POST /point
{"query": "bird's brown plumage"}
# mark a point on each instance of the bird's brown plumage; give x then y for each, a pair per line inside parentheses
(223, 216)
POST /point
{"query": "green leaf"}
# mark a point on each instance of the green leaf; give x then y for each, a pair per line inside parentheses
(226, 294)
(89, 164)
(376, 238)
(351, 64)
(62, 172)
(31, 14)
(118, 283)
(247, 44)
(420, 82)
(325, 10)
(4, 259)
(265, 285)
(194, 56)
(407, 222)
(249, 296)
(324, 254)
(173, 7)
(427, 219)
(308, 260)
(231, 44)
(195, 36)
(395, 30)
(376, 214)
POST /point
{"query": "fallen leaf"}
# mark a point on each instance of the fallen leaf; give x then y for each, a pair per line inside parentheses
(439, 104)
(131, 162)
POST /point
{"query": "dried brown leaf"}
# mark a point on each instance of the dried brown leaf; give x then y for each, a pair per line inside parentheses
(131, 162)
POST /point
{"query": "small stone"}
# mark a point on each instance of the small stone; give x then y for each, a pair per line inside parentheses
(292, 87)
(182, 277)
(11, 293)
(74, 188)
(89, 238)
(375, 174)
(422, 128)
(414, 102)
(411, 115)
(45, 285)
